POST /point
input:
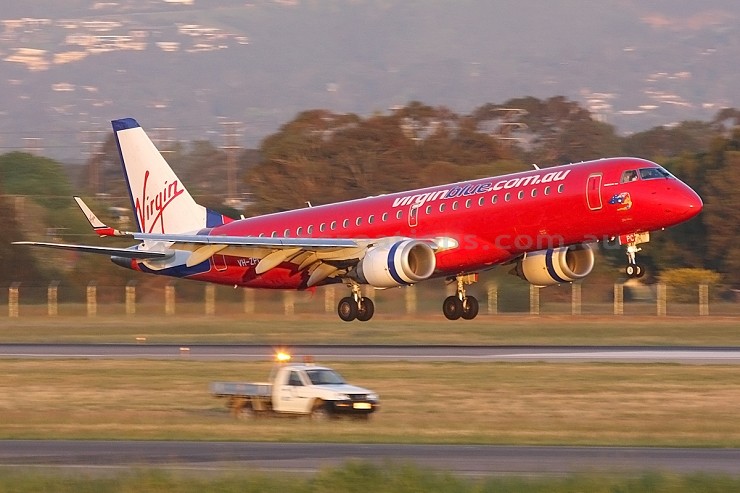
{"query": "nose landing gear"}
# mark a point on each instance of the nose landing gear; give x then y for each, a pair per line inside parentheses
(461, 305)
(633, 270)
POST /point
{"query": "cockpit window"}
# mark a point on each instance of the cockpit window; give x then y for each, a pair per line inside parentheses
(628, 176)
(653, 173)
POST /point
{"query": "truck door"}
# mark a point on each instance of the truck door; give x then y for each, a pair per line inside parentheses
(292, 397)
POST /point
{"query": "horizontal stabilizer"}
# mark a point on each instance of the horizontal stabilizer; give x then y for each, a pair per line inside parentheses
(114, 252)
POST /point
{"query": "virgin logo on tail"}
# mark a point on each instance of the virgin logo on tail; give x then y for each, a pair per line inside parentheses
(151, 211)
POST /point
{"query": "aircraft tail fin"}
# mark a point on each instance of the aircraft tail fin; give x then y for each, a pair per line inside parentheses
(161, 203)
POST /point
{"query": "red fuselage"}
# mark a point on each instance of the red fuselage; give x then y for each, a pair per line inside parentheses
(491, 220)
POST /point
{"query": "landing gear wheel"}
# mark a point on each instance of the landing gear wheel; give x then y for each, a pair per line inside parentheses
(634, 270)
(452, 307)
(469, 308)
(347, 309)
(365, 310)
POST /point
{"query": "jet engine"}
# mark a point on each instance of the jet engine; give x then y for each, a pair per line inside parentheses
(556, 266)
(396, 264)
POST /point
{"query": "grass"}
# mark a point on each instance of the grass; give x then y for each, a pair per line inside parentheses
(359, 477)
(328, 329)
(502, 403)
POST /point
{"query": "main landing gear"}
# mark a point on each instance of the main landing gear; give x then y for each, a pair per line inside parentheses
(460, 304)
(356, 306)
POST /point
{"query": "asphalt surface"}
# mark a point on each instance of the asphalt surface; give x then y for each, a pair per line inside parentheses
(476, 460)
(236, 352)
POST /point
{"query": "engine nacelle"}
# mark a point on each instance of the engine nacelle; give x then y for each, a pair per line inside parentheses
(556, 266)
(396, 264)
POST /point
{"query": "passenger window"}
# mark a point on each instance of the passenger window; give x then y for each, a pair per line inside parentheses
(507, 197)
(520, 194)
(547, 190)
(370, 219)
(358, 221)
(385, 217)
(481, 201)
(628, 176)
(534, 192)
(467, 204)
(309, 230)
(333, 225)
(286, 233)
(429, 209)
(322, 227)
(454, 205)
(345, 223)
(494, 199)
(299, 231)
(442, 207)
(561, 188)
(274, 234)
(399, 214)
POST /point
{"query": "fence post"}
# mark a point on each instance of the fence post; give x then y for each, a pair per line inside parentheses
(52, 299)
(13, 309)
(288, 302)
(248, 300)
(534, 300)
(662, 300)
(575, 296)
(704, 299)
(410, 300)
(131, 298)
(92, 299)
(492, 298)
(210, 299)
(618, 299)
(169, 299)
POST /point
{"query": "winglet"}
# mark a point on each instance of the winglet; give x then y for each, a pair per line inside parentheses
(98, 226)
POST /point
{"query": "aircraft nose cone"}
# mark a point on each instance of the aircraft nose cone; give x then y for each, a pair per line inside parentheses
(682, 202)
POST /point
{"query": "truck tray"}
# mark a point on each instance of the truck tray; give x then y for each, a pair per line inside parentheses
(241, 389)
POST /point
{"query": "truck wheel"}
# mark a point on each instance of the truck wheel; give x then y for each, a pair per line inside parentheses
(246, 413)
(321, 413)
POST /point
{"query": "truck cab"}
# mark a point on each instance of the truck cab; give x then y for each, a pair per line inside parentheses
(309, 389)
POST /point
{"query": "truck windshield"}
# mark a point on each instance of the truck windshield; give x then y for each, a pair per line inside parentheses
(324, 377)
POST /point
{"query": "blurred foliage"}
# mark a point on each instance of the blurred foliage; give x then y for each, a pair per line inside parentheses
(689, 277)
(325, 157)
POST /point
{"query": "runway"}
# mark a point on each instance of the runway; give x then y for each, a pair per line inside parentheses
(473, 460)
(238, 352)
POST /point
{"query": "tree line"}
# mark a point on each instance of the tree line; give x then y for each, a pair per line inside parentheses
(321, 157)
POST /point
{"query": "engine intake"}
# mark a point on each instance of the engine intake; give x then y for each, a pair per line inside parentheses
(396, 264)
(556, 266)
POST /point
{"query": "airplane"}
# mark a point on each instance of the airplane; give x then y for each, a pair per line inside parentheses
(544, 222)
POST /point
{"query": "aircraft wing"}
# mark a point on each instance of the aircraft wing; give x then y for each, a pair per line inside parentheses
(115, 252)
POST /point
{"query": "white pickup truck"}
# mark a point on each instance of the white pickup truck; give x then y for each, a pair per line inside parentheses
(298, 389)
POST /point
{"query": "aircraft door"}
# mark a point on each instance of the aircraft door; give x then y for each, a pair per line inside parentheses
(414, 214)
(593, 192)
